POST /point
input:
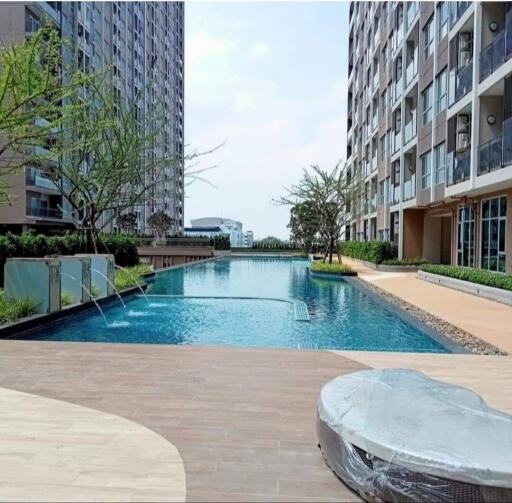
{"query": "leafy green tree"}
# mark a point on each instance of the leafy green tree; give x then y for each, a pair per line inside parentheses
(127, 221)
(31, 93)
(329, 193)
(304, 225)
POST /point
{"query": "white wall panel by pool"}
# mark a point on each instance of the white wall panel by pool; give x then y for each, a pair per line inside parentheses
(102, 273)
(76, 277)
(37, 278)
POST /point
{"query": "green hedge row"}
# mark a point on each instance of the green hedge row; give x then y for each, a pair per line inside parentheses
(478, 276)
(406, 261)
(370, 251)
(124, 248)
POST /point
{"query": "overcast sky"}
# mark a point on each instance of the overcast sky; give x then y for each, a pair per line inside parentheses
(270, 79)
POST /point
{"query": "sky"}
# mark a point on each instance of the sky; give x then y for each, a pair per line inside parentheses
(269, 79)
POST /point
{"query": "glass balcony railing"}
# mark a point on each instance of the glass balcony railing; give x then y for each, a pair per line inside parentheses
(397, 143)
(508, 35)
(410, 130)
(35, 178)
(376, 80)
(411, 72)
(409, 188)
(456, 11)
(493, 56)
(41, 211)
(373, 204)
(458, 167)
(463, 81)
(490, 155)
(507, 142)
(395, 194)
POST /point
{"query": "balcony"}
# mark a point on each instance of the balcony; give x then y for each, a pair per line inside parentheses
(395, 194)
(456, 11)
(463, 82)
(493, 56)
(459, 167)
(376, 80)
(410, 129)
(409, 191)
(373, 204)
(397, 90)
(396, 142)
(40, 211)
(496, 153)
(34, 177)
(490, 155)
(412, 11)
(375, 122)
(411, 72)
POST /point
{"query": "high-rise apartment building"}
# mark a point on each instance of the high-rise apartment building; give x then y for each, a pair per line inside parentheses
(430, 129)
(143, 44)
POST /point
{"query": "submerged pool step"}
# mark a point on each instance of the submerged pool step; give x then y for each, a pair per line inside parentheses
(301, 311)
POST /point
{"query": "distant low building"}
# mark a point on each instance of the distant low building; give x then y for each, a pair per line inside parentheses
(217, 226)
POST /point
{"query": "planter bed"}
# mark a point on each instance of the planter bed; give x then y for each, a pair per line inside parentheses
(487, 292)
(332, 275)
(386, 267)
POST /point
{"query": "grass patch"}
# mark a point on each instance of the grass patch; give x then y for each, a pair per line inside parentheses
(406, 261)
(334, 268)
(477, 276)
(12, 310)
(131, 276)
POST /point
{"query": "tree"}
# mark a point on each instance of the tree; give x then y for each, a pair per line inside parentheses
(328, 194)
(304, 225)
(127, 221)
(160, 222)
(31, 92)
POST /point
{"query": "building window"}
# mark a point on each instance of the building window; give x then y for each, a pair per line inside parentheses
(440, 162)
(426, 167)
(428, 38)
(441, 91)
(466, 236)
(426, 97)
(494, 230)
(442, 19)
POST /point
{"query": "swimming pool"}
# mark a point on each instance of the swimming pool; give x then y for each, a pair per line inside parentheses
(189, 306)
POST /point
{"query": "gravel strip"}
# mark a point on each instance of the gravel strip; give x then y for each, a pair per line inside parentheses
(469, 341)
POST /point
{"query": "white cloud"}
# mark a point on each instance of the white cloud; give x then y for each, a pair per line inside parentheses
(202, 45)
(259, 50)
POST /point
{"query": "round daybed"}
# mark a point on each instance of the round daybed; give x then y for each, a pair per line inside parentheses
(397, 435)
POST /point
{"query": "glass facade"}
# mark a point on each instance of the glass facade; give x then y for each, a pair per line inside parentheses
(494, 230)
(466, 236)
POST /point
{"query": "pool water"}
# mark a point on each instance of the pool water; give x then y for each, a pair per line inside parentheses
(189, 306)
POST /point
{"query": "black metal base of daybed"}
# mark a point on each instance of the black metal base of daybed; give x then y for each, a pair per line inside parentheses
(377, 480)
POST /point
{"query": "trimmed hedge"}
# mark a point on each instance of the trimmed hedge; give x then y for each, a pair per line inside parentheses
(478, 276)
(334, 268)
(124, 248)
(370, 251)
(406, 261)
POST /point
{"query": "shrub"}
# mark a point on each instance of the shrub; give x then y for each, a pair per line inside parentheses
(12, 310)
(123, 247)
(220, 242)
(405, 261)
(479, 276)
(131, 276)
(370, 251)
(334, 268)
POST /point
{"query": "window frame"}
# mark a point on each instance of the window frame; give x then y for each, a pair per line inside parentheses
(428, 44)
(442, 24)
(439, 169)
(426, 177)
(441, 98)
(501, 221)
(427, 112)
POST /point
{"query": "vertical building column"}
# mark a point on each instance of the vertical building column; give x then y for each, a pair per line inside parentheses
(475, 106)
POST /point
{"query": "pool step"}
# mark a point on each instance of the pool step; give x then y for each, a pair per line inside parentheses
(301, 311)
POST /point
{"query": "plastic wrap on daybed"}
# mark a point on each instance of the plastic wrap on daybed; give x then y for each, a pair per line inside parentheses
(397, 435)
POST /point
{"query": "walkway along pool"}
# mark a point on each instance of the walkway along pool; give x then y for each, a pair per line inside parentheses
(250, 302)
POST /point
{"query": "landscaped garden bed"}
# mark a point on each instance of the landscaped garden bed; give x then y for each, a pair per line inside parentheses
(487, 284)
(334, 269)
(13, 310)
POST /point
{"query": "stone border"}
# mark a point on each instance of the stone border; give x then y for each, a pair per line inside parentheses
(484, 291)
(445, 333)
(332, 275)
